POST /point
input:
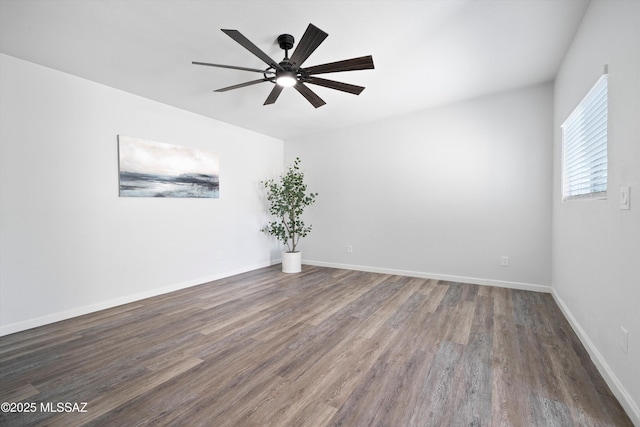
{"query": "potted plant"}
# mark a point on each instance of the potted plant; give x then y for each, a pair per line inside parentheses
(287, 199)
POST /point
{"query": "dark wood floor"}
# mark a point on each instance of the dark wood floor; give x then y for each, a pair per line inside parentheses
(326, 347)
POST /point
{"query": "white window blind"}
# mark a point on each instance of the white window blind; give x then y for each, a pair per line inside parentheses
(584, 145)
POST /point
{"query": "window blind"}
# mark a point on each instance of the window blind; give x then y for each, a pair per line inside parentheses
(584, 143)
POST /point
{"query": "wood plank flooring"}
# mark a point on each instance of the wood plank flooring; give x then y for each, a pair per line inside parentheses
(326, 347)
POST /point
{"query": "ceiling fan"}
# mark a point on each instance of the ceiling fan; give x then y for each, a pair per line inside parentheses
(289, 71)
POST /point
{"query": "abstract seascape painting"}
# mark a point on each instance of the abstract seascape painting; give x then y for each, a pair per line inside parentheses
(155, 169)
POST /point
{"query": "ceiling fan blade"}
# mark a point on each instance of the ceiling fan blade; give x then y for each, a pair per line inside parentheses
(362, 63)
(314, 99)
(252, 82)
(247, 44)
(273, 96)
(345, 87)
(309, 42)
(233, 67)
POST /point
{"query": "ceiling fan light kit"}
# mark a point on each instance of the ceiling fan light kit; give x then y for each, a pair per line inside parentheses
(290, 73)
(286, 78)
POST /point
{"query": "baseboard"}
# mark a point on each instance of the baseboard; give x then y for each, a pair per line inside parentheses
(630, 407)
(436, 276)
(79, 311)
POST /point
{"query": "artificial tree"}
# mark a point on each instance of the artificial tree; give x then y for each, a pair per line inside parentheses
(288, 198)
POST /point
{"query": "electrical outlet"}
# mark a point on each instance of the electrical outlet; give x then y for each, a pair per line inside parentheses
(624, 340)
(349, 249)
(504, 261)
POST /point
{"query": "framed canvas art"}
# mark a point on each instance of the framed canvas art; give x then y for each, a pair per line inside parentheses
(155, 169)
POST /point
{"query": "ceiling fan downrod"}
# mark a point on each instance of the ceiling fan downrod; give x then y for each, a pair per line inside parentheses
(286, 42)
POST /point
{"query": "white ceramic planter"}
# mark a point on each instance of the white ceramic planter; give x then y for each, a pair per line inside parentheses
(291, 262)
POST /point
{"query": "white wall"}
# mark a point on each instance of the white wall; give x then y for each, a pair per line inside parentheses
(442, 193)
(69, 244)
(596, 246)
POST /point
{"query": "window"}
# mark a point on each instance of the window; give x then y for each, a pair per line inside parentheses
(584, 146)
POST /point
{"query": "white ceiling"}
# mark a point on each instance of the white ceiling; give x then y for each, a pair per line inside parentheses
(426, 53)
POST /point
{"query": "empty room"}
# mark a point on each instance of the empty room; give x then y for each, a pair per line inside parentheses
(320, 213)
